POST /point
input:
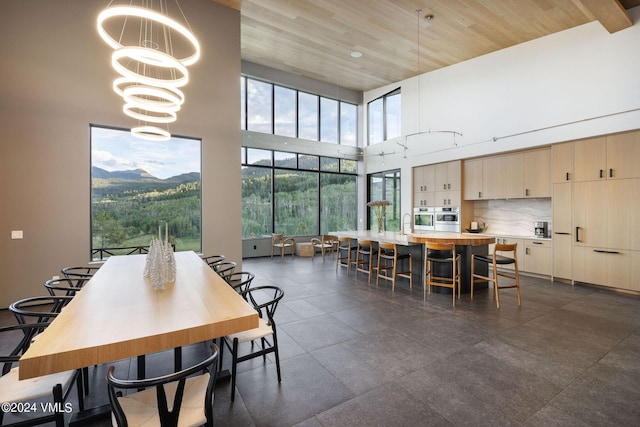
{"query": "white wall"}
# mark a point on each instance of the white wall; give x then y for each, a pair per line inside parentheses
(573, 84)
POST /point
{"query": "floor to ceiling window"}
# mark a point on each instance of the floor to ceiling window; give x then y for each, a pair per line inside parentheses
(385, 186)
(384, 117)
(296, 194)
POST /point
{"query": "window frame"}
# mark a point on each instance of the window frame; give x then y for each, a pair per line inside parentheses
(385, 116)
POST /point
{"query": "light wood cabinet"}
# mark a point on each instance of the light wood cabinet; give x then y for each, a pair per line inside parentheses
(590, 159)
(623, 205)
(537, 173)
(537, 257)
(562, 162)
(606, 267)
(562, 256)
(448, 176)
(562, 230)
(589, 213)
(623, 155)
(424, 185)
(503, 177)
(472, 188)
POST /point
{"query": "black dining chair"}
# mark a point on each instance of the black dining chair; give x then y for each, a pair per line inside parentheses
(239, 280)
(225, 268)
(213, 260)
(53, 388)
(265, 300)
(175, 399)
(79, 275)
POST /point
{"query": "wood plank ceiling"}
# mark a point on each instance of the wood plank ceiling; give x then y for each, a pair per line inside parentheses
(315, 38)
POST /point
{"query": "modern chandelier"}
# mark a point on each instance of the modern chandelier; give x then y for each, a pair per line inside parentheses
(151, 53)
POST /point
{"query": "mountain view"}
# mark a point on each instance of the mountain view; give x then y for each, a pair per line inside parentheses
(128, 206)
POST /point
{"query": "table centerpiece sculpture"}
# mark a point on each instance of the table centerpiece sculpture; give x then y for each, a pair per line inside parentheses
(160, 265)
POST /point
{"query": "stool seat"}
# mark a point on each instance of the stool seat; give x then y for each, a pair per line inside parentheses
(500, 259)
(441, 253)
(365, 254)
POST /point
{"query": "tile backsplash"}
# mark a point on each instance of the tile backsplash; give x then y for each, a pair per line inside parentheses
(513, 217)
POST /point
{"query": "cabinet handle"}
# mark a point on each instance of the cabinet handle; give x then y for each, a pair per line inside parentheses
(448, 186)
(567, 176)
(611, 173)
(526, 251)
(601, 175)
(479, 194)
(563, 233)
(526, 192)
(449, 200)
(577, 235)
(600, 251)
(537, 243)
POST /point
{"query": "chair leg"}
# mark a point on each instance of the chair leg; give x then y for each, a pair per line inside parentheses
(517, 282)
(495, 285)
(234, 365)
(277, 354)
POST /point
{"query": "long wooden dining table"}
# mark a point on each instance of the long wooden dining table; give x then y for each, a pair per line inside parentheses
(119, 315)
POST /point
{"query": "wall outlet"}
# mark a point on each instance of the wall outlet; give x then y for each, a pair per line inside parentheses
(255, 247)
(16, 234)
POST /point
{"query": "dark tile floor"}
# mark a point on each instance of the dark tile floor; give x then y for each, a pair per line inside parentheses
(356, 355)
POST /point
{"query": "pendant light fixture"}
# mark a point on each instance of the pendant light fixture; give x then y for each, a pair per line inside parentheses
(151, 53)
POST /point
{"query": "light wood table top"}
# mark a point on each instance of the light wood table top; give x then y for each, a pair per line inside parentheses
(419, 238)
(118, 315)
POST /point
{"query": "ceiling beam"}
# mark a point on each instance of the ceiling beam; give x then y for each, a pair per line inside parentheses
(610, 13)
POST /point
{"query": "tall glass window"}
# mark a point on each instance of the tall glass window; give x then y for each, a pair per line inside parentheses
(259, 106)
(385, 186)
(328, 120)
(307, 116)
(348, 124)
(296, 194)
(278, 110)
(385, 117)
(284, 109)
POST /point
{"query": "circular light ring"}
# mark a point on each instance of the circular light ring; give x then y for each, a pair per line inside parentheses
(166, 117)
(127, 11)
(164, 100)
(152, 58)
(120, 82)
(151, 133)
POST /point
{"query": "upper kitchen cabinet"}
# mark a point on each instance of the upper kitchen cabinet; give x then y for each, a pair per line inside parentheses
(562, 162)
(623, 155)
(610, 157)
(590, 159)
(537, 173)
(448, 176)
(503, 177)
(424, 186)
(473, 179)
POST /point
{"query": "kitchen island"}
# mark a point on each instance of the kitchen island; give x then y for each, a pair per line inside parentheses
(466, 244)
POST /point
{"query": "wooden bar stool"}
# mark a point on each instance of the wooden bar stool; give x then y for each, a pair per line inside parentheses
(365, 255)
(495, 260)
(346, 252)
(443, 253)
(388, 259)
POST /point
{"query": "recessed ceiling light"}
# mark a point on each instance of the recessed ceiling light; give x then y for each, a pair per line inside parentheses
(356, 54)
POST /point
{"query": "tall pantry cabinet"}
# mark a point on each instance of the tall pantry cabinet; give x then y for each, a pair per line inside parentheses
(604, 210)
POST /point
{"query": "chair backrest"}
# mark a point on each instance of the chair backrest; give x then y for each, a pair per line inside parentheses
(167, 417)
(80, 275)
(14, 344)
(386, 249)
(277, 238)
(512, 247)
(224, 268)
(265, 300)
(40, 309)
(62, 286)
(438, 246)
(212, 260)
(240, 280)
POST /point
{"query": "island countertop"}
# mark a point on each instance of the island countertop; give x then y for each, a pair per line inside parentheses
(419, 238)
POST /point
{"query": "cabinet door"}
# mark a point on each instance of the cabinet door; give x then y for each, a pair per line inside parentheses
(429, 178)
(537, 173)
(589, 159)
(562, 245)
(623, 204)
(588, 266)
(562, 162)
(447, 198)
(589, 213)
(623, 155)
(473, 179)
(492, 177)
(417, 179)
(513, 179)
(562, 209)
(454, 170)
(537, 257)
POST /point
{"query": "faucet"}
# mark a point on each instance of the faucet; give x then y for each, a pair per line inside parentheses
(409, 222)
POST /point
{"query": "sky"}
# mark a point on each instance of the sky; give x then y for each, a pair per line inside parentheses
(118, 150)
